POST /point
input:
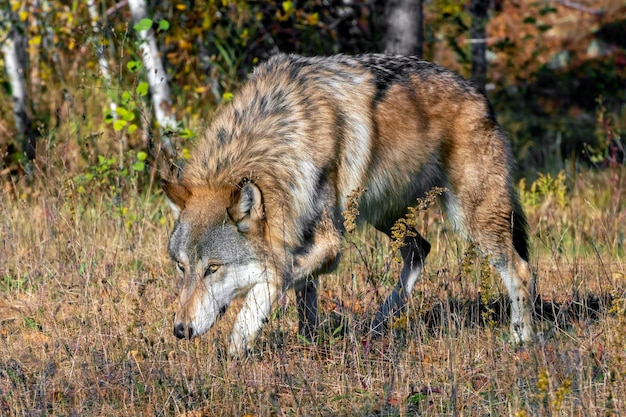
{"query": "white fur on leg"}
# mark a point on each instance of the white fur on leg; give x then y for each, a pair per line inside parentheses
(253, 314)
(521, 314)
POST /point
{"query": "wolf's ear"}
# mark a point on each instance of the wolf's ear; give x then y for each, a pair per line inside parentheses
(246, 208)
(177, 195)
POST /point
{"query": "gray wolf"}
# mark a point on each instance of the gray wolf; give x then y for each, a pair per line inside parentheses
(259, 203)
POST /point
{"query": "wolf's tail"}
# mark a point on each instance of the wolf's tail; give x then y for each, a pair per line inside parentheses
(520, 229)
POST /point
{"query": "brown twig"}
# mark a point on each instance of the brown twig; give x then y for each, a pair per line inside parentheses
(116, 7)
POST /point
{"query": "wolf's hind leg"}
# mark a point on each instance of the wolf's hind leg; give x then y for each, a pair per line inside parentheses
(413, 253)
(498, 225)
(518, 280)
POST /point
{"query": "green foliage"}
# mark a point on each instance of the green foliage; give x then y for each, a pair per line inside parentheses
(99, 178)
(164, 25)
(142, 89)
(608, 148)
(143, 24)
(544, 190)
(550, 117)
(114, 180)
(218, 42)
(12, 283)
(124, 114)
(140, 165)
(208, 47)
(134, 66)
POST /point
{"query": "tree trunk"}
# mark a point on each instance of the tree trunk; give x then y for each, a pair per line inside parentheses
(405, 27)
(96, 23)
(478, 10)
(157, 79)
(13, 49)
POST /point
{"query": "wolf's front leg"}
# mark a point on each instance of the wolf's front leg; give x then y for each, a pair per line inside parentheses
(252, 316)
(320, 253)
(321, 256)
(413, 254)
(306, 298)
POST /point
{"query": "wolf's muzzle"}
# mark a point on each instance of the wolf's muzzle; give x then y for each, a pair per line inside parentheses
(181, 331)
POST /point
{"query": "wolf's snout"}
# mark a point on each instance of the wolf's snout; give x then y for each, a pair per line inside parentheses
(182, 331)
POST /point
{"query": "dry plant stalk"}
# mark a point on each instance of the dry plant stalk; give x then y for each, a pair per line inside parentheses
(405, 226)
(352, 209)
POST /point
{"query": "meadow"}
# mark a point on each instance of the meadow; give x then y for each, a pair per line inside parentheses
(88, 293)
(87, 296)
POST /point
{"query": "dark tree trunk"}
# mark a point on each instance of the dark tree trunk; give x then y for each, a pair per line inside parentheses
(405, 27)
(13, 49)
(478, 10)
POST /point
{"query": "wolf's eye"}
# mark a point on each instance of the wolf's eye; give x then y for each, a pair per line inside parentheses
(211, 269)
(181, 267)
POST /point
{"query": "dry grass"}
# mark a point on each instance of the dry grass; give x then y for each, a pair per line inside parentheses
(86, 295)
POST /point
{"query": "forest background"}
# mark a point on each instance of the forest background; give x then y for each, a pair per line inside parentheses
(88, 125)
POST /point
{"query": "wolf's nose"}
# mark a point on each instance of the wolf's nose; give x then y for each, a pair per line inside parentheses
(181, 331)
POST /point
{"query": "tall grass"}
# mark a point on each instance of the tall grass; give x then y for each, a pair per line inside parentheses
(87, 297)
(87, 294)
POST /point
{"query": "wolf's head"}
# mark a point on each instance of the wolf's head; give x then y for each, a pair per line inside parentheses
(217, 246)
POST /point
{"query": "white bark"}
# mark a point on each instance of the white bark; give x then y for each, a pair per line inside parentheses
(15, 72)
(102, 61)
(157, 78)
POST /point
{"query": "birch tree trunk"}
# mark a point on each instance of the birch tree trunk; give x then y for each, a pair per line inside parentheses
(157, 79)
(478, 35)
(13, 50)
(102, 61)
(405, 27)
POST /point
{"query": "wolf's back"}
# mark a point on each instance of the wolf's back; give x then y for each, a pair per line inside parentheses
(306, 127)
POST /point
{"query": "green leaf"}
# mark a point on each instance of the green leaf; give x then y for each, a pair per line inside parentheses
(132, 128)
(164, 25)
(288, 6)
(186, 134)
(108, 117)
(126, 97)
(142, 88)
(226, 55)
(142, 156)
(417, 398)
(139, 166)
(129, 116)
(119, 125)
(144, 24)
(121, 111)
(134, 66)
